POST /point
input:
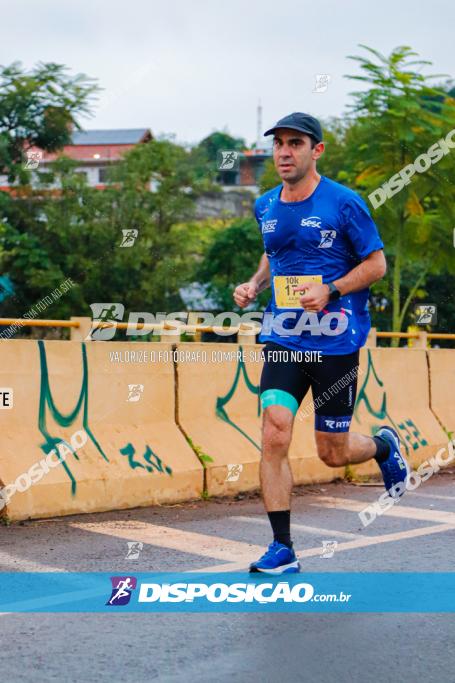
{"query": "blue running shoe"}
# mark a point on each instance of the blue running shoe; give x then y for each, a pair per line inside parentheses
(395, 469)
(279, 559)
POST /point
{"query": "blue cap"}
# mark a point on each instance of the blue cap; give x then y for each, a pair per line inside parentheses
(301, 122)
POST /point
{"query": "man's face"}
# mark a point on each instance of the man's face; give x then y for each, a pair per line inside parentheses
(293, 155)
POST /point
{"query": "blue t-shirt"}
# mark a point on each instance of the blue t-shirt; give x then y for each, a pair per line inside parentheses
(327, 234)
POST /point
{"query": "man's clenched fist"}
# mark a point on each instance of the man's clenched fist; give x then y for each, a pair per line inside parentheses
(315, 296)
(246, 293)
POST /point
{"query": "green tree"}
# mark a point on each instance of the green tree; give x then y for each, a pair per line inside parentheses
(269, 177)
(219, 140)
(77, 233)
(38, 108)
(395, 122)
(231, 258)
(204, 156)
(333, 161)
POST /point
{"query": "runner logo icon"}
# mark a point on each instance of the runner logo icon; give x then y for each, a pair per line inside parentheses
(327, 237)
(122, 587)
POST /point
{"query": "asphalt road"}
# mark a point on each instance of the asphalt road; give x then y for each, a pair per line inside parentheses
(227, 534)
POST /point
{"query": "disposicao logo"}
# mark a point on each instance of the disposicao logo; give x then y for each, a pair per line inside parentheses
(122, 587)
(222, 592)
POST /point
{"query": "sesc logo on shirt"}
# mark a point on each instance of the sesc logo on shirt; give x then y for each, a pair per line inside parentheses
(268, 226)
(311, 222)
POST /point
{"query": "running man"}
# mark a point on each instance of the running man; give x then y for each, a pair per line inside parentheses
(313, 226)
(123, 590)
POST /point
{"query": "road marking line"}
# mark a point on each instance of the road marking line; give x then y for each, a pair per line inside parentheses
(349, 545)
(191, 542)
(430, 495)
(318, 531)
(23, 565)
(404, 512)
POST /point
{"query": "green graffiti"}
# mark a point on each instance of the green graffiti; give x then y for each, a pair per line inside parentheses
(382, 413)
(153, 465)
(153, 462)
(46, 401)
(222, 401)
(413, 438)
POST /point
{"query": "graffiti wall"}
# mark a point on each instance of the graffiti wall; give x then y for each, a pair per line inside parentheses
(132, 453)
(105, 425)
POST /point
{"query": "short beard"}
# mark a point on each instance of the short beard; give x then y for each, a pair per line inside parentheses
(297, 178)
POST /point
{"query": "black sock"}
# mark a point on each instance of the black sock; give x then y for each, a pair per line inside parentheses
(281, 525)
(383, 448)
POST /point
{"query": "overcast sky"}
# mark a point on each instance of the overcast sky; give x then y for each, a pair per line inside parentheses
(189, 67)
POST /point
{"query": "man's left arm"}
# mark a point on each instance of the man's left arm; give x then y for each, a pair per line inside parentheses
(366, 245)
(372, 269)
(316, 296)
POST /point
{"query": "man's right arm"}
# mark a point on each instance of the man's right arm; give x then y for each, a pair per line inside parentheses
(245, 293)
(261, 278)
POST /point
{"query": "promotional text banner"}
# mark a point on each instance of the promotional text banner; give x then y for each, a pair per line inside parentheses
(226, 592)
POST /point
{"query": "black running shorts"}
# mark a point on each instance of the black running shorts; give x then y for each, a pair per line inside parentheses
(287, 375)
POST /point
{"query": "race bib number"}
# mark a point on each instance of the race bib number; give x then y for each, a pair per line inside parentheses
(283, 286)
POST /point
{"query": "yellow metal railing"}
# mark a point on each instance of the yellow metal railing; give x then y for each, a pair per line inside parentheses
(25, 322)
(178, 328)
